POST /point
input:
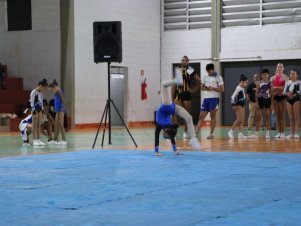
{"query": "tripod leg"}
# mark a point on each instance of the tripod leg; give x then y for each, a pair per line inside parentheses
(105, 125)
(123, 122)
(104, 112)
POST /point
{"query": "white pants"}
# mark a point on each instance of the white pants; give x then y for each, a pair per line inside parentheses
(180, 111)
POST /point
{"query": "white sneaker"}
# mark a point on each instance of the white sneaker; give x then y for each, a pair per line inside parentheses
(179, 76)
(267, 135)
(230, 134)
(277, 135)
(36, 143)
(26, 144)
(41, 143)
(62, 142)
(241, 136)
(195, 144)
(296, 136)
(52, 142)
(254, 135)
(282, 135)
(289, 136)
(185, 135)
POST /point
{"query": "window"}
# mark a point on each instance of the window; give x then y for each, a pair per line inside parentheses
(276, 11)
(241, 12)
(186, 14)
(260, 12)
(19, 15)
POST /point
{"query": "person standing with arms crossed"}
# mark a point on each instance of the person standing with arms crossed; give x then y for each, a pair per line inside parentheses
(182, 93)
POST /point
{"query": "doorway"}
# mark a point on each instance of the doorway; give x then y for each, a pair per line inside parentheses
(119, 76)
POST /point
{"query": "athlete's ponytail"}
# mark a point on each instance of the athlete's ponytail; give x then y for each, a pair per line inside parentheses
(43, 82)
(53, 83)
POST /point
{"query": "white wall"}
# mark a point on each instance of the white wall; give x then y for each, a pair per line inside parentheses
(270, 42)
(33, 54)
(141, 50)
(67, 55)
(196, 44)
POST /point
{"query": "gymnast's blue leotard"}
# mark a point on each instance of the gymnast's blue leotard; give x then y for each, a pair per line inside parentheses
(164, 113)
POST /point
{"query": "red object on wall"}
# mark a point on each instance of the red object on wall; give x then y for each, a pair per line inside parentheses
(143, 90)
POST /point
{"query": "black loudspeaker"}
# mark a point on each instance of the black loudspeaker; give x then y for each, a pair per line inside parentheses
(107, 41)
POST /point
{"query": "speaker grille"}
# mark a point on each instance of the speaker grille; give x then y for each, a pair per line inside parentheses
(107, 41)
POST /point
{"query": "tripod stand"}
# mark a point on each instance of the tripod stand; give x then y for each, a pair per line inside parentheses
(106, 112)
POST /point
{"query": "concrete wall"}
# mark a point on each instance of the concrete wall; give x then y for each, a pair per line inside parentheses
(196, 44)
(33, 54)
(141, 50)
(67, 55)
(270, 42)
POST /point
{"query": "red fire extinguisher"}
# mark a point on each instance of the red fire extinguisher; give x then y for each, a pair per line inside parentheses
(143, 90)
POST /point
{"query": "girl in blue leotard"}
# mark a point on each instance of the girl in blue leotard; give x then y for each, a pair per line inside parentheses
(60, 111)
(164, 114)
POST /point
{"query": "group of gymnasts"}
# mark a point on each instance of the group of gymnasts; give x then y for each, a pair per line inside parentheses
(279, 92)
(39, 120)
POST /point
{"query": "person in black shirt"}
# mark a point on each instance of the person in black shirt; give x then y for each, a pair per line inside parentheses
(251, 90)
(182, 93)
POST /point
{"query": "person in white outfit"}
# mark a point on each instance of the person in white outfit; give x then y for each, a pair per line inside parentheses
(25, 128)
(36, 103)
(212, 85)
